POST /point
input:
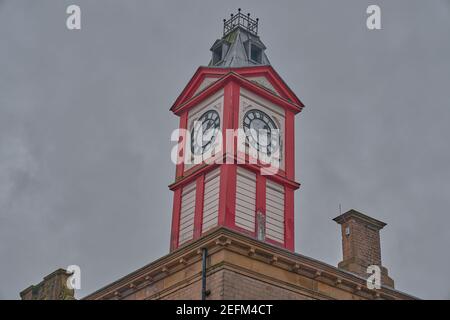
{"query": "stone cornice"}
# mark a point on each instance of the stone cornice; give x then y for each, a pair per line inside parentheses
(221, 239)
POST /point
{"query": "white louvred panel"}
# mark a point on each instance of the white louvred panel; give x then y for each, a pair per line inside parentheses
(245, 199)
(274, 211)
(187, 213)
(211, 200)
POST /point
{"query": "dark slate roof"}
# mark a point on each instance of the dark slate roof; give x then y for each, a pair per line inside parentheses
(235, 45)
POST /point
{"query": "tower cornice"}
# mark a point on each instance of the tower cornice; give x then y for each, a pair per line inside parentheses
(205, 168)
(283, 96)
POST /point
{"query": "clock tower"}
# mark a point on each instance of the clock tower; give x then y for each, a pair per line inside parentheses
(235, 158)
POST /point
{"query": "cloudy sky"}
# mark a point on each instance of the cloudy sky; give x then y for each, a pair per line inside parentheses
(85, 129)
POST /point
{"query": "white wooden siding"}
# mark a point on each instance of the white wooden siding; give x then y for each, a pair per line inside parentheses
(245, 199)
(211, 200)
(274, 211)
(187, 213)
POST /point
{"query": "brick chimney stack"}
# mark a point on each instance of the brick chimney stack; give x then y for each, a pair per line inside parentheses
(361, 244)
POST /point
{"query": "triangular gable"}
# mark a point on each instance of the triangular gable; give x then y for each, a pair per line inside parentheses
(197, 81)
(243, 82)
(206, 82)
(271, 77)
(263, 76)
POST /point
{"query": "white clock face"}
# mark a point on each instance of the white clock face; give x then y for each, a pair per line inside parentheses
(205, 131)
(261, 132)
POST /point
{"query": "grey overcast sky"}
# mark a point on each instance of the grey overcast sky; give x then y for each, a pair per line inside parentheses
(85, 129)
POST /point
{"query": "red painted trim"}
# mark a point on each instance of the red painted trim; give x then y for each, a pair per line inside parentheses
(181, 146)
(276, 243)
(225, 173)
(269, 95)
(223, 194)
(188, 87)
(194, 89)
(199, 196)
(290, 146)
(268, 77)
(274, 78)
(196, 168)
(227, 121)
(289, 227)
(200, 169)
(254, 163)
(267, 71)
(260, 197)
(195, 82)
(212, 89)
(249, 85)
(279, 84)
(276, 178)
(230, 206)
(271, 80)
(231, 110)
(244, 231)
(190, 175)
(175, 220)
(192, 86)
(236, 92)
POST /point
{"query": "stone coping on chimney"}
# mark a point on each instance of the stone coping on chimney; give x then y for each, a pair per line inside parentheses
(353, 214)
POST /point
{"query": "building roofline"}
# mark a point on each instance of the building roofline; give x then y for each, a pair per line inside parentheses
(222, 237)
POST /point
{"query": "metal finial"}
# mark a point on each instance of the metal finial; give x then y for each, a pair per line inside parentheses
(232, 15)
(239, 10)
(248, 14)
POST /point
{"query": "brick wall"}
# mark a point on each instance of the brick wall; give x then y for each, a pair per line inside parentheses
(241, 287)
(230, 285)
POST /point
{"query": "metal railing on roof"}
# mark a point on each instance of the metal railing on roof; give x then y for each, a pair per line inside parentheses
(240, 20)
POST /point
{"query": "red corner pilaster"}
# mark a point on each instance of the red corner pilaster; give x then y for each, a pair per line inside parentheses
(198, 217)
(236, 94)
(227, 201)
(230, 206)
(289, 235)
(290, 146)
(227, 113)
(181, 145)
(223, 194)
(175, 220)
(236, 91)
(260, 196)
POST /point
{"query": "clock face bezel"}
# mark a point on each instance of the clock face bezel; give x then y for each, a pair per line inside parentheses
(210, 117)
(255, 119)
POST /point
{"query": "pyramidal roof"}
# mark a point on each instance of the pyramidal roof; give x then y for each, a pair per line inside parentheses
(240, 45)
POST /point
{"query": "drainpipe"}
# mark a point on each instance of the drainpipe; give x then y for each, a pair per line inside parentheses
(204, 255)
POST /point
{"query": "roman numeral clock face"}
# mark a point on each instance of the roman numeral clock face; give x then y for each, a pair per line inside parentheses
(204, 133)
(261, 132)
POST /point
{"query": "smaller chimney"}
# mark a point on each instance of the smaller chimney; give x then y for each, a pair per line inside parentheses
(361, 245)
(53, 287)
